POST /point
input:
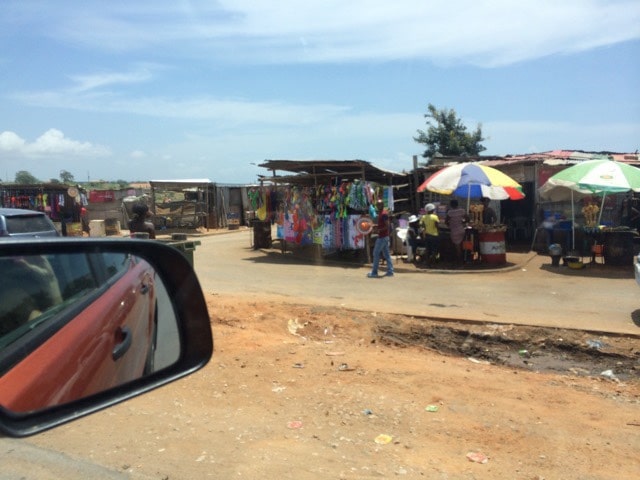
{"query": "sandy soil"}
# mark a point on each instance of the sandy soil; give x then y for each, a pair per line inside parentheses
(307, 392)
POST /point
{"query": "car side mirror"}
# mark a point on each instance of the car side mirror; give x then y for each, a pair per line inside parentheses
(86, 324)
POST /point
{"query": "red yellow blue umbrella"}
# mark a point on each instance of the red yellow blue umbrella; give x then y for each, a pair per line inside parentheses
(473, 180)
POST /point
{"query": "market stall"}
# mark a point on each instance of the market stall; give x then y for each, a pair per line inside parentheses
(325, 216)
(182, 203)
(472, 180)
(488, 240)
(62, 203)
(321, 207)
(603, 188)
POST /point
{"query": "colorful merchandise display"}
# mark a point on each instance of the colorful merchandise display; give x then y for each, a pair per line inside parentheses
(324, 215)
(55, 202)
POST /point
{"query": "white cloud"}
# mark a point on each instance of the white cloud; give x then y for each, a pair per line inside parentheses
(229, 113)
(487, 33)
(137, 154)
(10, 142)
(93, 81)
(51, 144)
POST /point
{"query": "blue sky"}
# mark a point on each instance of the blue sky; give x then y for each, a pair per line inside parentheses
(154, 89)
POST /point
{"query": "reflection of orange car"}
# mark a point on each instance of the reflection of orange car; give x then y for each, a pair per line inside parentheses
(100, 335)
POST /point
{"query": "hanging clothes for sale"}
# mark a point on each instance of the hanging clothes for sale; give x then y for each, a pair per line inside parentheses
(41, 197)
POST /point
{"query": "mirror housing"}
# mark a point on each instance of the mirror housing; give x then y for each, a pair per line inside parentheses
(190, 310)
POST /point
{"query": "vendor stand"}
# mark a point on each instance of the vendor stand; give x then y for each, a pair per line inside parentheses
(584, 236)
(483, 244)
(63, 204)
(618, 246)
(473, 180)
(599, 185)
(183, 203)
(487, 240)
(320, 209)
(615, 245)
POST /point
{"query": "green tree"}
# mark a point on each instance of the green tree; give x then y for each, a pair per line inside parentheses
(66, 177)
(25, 178)
(448, 136)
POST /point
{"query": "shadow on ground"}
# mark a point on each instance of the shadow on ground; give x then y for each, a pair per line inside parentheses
(592, 270)
(347, 259)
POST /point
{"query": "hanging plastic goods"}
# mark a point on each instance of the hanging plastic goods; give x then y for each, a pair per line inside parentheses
(261, 213)
(267, 201)
(254, 198)
(357, 198)
(324, 195)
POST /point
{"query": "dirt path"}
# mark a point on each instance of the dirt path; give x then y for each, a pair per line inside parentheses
(315, 392)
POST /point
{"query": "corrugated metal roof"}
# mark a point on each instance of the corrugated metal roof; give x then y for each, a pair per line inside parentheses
(308, 171)
(181, 180)
(180, 184)
(564, 157)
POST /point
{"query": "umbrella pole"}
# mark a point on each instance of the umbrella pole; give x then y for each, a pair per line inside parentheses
(604, 194)
(573, 224)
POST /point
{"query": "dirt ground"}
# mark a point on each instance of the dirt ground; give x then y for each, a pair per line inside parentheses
(308, 392)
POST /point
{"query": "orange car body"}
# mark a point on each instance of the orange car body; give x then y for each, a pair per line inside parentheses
(125, 309)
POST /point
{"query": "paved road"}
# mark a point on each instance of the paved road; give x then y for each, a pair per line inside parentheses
(168, 346)
(598, 298)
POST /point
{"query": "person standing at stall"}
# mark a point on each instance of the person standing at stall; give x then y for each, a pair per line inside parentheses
(84, 219)
(429, 223)
(456, 220)
(411, 240)
(489, 216)
(141, 222)
(381, 247)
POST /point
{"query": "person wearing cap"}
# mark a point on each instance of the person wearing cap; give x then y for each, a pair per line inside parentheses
(429, 223)
(412, 237)
(381, 247)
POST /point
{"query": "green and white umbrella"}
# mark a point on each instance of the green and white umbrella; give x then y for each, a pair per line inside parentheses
(598, 177)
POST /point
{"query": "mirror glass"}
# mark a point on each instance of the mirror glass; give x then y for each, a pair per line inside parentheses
(75, 324)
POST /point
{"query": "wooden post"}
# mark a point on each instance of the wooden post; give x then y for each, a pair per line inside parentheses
(414, 194)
